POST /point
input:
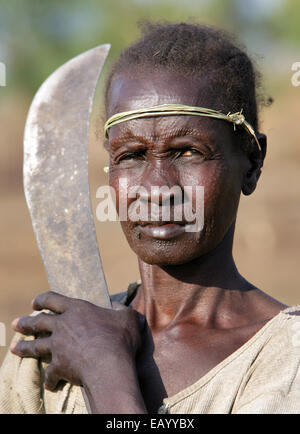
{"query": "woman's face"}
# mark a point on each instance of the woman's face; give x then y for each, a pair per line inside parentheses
(167, 151)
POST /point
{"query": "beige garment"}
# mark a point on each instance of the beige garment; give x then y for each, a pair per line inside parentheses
(262, 376)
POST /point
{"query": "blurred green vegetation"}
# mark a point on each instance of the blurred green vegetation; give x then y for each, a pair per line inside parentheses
(36, 36)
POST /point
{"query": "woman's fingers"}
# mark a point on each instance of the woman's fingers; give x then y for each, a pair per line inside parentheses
(51, 377)
(31, 325)
(52, 301)
(37, 348)
(40, 347)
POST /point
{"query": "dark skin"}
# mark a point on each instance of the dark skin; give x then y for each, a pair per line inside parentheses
(193, 308)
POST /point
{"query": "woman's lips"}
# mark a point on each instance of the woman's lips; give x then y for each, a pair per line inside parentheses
(161, 231)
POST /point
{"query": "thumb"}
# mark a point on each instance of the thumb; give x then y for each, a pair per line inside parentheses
(116, 305)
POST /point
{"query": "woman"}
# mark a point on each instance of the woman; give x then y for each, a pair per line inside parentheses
(195, 336)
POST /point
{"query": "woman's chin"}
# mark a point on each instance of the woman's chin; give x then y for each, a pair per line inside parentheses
(167, 254)
(171, 246)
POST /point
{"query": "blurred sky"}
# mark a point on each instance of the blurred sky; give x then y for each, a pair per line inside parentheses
(36, 36)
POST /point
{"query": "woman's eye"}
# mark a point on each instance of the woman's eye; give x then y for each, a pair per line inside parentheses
(130, 156)
(126, 157)
(190, 152)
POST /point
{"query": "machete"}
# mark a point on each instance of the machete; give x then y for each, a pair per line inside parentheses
(56, 181)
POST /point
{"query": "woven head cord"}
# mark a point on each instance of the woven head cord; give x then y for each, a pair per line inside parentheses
(179, 109)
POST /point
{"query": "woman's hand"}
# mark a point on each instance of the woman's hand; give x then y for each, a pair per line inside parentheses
(83, 341)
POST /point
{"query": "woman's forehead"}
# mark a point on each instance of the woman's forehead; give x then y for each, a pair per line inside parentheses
(166, 130)
(131, 92)
(142, 90)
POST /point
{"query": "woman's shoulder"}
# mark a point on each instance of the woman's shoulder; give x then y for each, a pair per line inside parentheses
(276, 359)
(288, 329)
(272, 382)
(284, 334)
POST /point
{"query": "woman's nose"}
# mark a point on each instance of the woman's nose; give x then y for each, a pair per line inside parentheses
(159, 184)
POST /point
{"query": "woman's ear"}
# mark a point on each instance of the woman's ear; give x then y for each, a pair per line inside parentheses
(256, 159)
(262, 138)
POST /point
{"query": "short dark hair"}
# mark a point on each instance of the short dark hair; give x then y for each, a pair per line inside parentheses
(198, 50)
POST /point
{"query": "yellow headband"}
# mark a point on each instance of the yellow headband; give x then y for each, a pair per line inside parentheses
(178, 109)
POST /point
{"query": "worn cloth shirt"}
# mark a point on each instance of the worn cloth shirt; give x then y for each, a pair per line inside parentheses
(262, 376)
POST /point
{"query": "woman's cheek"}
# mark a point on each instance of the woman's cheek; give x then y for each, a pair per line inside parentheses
(119, 181)
(221, 200)
(125, 188)
(211, 179)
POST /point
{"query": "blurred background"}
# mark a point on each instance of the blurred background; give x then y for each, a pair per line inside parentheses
(37, 36)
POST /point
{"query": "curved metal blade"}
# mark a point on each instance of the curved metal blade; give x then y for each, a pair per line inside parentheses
(56, 180)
